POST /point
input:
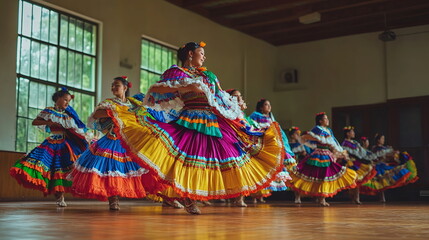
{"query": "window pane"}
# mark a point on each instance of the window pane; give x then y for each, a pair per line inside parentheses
(87, 39)
(164, 58)
(25, 56)
(21, 134)
(78, 70)
(26, 19)
(145, 53)
(70, 69)
(151, 56)
(18, 54)
(64, 30)
(22, 95)
(52, 64)
(158, 63)
(33, 96)
(20, 9)
(87, 106)
(79, 35)
(53, 30)
(88, 72)
(44, 61)
(72, 33)
(41, 97)
(144, 81)
(35, 59)
(63, 67)
(44, 34)
(37, 17)
(94, 40)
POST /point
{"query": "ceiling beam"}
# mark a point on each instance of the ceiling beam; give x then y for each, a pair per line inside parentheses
(257, 5)
(293, 14)
(358, 27)
(393, 7)
(190, 3)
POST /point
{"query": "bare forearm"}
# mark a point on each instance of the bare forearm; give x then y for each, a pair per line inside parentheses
(100, 113)
(40, 121)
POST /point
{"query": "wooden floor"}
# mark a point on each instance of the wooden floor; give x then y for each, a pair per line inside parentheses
(145, 220)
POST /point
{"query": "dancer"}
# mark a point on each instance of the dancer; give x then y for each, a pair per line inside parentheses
(203, 155)
(264, 118)
(105, 171)
(391, 172)
(318, 174)
(359, 160)
(298, 146)
(45, 168)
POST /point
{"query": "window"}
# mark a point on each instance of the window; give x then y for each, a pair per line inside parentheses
(54, 49)
(155, 59)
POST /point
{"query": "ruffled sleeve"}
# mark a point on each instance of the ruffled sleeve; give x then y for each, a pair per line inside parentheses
(96, 124)
(382, 152)
(61, 118)
(355, 149)
(325, 136)
(176, 77)
(262, 120)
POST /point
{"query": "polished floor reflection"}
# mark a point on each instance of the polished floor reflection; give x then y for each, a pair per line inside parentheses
(146, 220)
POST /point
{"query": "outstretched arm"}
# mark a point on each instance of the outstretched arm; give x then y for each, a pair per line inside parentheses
(40, 121)
(100, 113)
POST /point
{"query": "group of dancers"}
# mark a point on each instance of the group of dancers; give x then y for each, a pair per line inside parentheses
(187, 140)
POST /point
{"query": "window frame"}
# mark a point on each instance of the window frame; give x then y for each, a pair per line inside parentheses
(93, 54)
(158, 43)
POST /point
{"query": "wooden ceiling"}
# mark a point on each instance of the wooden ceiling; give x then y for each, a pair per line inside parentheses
(276, 21)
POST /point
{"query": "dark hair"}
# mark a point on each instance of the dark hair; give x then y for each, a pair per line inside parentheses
(260, 104)
(60, 93)
(231, 91)
(124, 81)
(182, 53)
(377, 137)
(345, 131)
(291, 131)
(319, 117)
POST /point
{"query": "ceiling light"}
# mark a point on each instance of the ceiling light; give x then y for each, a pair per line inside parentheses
(310, 18)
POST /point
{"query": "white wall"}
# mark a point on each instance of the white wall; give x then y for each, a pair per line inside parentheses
(408, 63)
(352, 70)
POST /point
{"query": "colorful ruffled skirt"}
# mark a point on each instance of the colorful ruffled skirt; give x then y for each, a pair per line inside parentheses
(202, 166)
(46, 167)
(319, 175)
(389, 177)
(106, 170)
(365, 172)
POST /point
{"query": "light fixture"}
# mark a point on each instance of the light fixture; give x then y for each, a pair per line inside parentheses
(310, 18)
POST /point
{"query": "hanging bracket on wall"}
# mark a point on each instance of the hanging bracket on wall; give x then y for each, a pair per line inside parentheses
(387, 35)
(125, 64)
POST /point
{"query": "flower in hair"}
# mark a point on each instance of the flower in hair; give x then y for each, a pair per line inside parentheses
(202, 44)
(321, 113)
(348, 128)
(124, 77)
(64, 89)
(363, 138)
(294, 128)
(129, 85)
(72, 96)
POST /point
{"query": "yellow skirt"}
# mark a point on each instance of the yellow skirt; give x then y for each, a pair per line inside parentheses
(222, 168)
